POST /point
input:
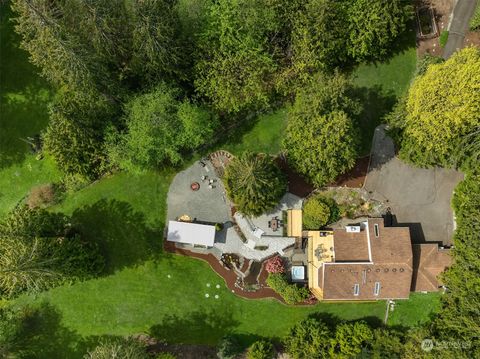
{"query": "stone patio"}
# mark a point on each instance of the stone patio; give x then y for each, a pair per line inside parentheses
(211, 205)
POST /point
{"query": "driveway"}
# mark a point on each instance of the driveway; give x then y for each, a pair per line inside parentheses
(461, 16)
(419, 198)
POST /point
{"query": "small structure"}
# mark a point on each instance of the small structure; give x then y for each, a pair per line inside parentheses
(191, 233)
(294, 223)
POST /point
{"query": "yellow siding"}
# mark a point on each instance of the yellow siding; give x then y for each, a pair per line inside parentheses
(315, 263)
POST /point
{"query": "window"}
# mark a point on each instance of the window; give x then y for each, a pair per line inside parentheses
(356, 289)
(376, 291)
(376, 229)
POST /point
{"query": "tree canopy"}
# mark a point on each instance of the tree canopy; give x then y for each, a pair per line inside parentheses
(254, 183)
(159, 128)
(320, 140)
(442, 115)
(38, 250)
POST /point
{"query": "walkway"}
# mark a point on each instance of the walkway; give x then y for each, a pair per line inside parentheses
(461, 16)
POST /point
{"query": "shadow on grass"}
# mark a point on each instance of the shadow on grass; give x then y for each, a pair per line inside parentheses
(376, 104)
(194, 327)
(43, 336)
(24, 96)
(122, 234)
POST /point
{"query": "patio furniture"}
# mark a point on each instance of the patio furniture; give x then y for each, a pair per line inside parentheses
(194, 186)
(274, 224)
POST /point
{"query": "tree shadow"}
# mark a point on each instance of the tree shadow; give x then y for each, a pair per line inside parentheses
(376, 103)
(43, 336)
(24, 96)
(122, 234)
(194, 327)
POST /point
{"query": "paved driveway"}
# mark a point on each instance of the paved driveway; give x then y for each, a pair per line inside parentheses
(461, 16)
(419, 198)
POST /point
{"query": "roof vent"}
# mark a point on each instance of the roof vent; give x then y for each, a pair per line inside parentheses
(352, 229)
(394, 269)
(402, 270)
(386, 270)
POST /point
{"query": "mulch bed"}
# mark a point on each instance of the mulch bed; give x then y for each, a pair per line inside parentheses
(300, 187)
(228, 275)
(354, 178)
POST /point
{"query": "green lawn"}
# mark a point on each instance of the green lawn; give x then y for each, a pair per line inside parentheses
(264, 136)
(379, 87)
(24, 96)
(419, 309)
(145, 299)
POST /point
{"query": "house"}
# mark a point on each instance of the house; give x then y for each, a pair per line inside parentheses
(198, 235)
(371, 262)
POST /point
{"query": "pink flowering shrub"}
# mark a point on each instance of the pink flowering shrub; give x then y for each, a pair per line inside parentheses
(275, 265)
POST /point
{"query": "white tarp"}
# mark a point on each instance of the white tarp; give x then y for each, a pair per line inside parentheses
(191, 233)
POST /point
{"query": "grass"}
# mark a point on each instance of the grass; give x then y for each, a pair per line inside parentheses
(379, 87)
(419, 309)
(17, 180)
(443, 38)
(265, 135)
(24, 96)
(144, 299)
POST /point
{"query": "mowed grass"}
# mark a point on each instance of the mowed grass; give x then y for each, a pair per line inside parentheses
(24, 96)
(265, 135)
(417, 310)
(167, 298)
(380, 85)
(17, 180)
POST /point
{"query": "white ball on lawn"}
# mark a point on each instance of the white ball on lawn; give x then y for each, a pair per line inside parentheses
(208, 284)
(207, 295)
(169, 276)
(218, 286)
(216, 296)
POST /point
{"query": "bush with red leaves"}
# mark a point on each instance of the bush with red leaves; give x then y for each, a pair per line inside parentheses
(275, 265)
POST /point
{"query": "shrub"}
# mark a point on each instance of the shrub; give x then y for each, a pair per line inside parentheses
(308, 339)
(124, 348)
(228, 348)
(254, 183)
(261, 349)
(319, 211)
(41, 196)
(475, 20)
(275, 265)
(443, 38)
(291, 293)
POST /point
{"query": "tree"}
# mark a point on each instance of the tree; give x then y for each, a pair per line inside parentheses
(11, 326)
(309, 339)
(235, 67)
(38, 251)
(254, 183)
(352, 338)
(375, 25)
(317, 42)
(261, 349)
(121, 348)
(461, 304)
(159, 129)
(443, 113)
(318, 146)
(228, 348)
(316, 213)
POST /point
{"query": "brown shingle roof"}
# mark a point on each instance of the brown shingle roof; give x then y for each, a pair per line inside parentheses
(350, 247)
(391, 264)
(428, 262)
(340, 279)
